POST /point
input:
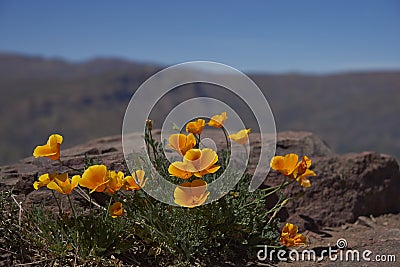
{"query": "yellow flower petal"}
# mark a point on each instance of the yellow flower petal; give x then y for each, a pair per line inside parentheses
(191, 194)
(43, 151)
(179, 169)
(182, 143)
(115, 181)
(75, 180)
(302, 167)
(240, 137)
(218, 121)
(192, 155)
(95, 178)
(212, 169)
(303, 181)
(299, 239)
(195, 162)
(55, 139)
(62, 184)
(116, 210)
(198, 188)
(284, 164)
(43, 180)
(288, 166)
(131, 183)
(54, 186)
(139, 176)
(200, 159)
(51, 149)
(290, 237)
(195, 127)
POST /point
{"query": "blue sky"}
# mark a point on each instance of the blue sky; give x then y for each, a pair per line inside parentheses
(263, 36)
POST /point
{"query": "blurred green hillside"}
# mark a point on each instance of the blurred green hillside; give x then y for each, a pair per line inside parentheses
(352, 111)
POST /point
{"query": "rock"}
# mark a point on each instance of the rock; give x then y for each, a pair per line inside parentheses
(302, 143)
(346, 186)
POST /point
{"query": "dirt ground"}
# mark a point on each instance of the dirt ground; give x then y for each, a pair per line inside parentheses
(380, 235)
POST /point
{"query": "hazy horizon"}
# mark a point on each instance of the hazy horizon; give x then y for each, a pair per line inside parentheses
(265, 36)
(159, 64)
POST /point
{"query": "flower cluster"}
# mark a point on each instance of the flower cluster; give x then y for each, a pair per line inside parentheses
(289, 166)
(96, 178)
(57, 182)
(290, 237)
(197, 162)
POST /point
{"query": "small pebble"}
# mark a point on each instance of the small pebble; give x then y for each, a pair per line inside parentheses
(372, 218)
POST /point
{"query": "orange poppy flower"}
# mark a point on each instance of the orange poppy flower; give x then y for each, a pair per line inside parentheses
(62, 184)
(289, 166)
(196, 127)
(240, 137)
(115, 181)
(44, 179)
(136, 183)
(285, 164)
(182, 143)
(290, 237)
(218, 121)
(116, 210)
(191, 194)
(180, 170)
(51, 149)
(195, 162)
(95, 178)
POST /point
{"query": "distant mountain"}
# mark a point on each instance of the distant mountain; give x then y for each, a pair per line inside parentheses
(353, 111)
(23, 67)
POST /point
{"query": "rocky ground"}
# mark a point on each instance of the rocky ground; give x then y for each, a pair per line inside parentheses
(354, 196)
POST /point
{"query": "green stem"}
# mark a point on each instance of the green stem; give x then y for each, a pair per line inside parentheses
(275, 188)
(90, 215)
(154, 148)
(278, 205)
(228, 143)
(72, 207)
(87, 198)
(90, 205)
(108, 208)
(147, 139)
(58, 204)
(198, 141)
(275, 213)
(281, 186)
